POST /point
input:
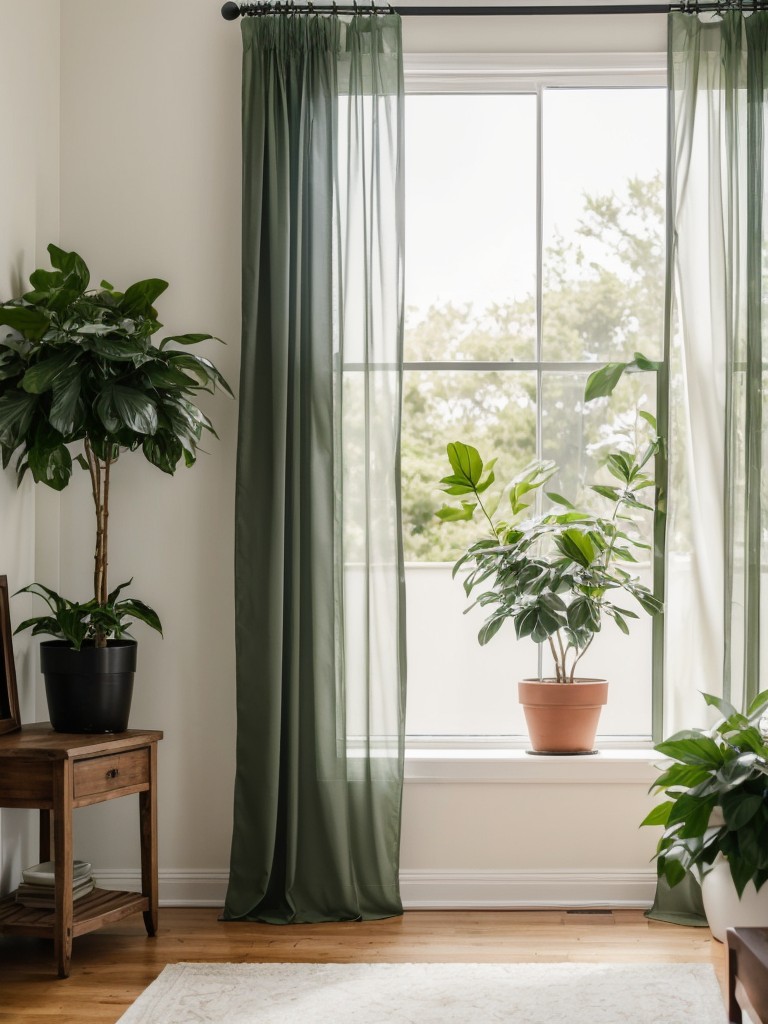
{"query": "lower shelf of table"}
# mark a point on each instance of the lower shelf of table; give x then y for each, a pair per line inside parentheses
(99, 907)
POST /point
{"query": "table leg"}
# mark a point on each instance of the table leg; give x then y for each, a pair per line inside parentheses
(148, 820)
(45, 836)
(63, 856)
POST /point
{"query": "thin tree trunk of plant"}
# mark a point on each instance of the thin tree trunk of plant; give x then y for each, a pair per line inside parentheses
(579, 656)
(100, 491)
(556, 659)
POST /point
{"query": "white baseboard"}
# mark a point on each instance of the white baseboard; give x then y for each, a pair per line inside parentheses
(178, 888)
(499, 890)
(438, 889)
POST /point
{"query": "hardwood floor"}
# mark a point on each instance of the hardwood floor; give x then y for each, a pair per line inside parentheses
(112, 966)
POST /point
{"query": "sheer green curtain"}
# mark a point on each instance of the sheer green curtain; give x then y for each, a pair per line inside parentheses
(718, 515)
(319, 567)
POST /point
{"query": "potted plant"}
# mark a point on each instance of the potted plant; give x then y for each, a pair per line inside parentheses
(715, 815)
(555, 575)
(81, 381)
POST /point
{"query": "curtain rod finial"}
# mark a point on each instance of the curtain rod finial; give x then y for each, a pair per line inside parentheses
(230, 11)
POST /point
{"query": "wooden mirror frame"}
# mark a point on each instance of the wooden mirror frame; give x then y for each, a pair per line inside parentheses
(10, 719)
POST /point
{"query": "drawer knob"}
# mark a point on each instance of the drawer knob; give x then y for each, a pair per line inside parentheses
(113, 773)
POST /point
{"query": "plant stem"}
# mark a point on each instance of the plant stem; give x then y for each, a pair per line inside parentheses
(100, 491)
(554, 656)
(561, 663)
(579, 656)
(482, 509)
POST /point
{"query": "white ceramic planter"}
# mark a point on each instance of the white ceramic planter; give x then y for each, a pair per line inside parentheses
(723, 907)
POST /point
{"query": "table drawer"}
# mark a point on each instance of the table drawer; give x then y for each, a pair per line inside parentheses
(111, 773)
(25, 783)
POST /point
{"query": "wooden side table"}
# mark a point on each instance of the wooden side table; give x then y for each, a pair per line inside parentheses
(55, 772)
(747, 974)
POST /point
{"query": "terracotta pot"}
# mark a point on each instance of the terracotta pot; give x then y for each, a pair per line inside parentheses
(562, 717)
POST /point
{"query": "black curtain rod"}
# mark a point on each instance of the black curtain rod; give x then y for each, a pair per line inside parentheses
(231, 11)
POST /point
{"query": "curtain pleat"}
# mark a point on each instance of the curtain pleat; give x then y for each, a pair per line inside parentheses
(718, 514)
(717, 523)
(319, 570)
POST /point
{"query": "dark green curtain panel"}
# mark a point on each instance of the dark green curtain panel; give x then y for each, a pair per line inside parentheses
(319, 566)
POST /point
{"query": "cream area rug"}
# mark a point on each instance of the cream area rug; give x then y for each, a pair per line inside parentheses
(431, 994)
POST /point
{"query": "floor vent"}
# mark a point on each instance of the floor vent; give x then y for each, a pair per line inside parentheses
(585, 910)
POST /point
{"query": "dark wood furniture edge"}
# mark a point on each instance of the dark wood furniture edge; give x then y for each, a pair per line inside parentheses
(747, 974)
(40, 740)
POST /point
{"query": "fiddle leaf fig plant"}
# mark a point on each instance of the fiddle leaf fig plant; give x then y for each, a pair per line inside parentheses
(716, 796)
(82, 382)
(555, 574)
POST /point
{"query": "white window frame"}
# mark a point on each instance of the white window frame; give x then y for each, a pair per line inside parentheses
(504, 758)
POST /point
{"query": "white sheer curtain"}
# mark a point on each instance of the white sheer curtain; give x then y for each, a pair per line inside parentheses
(716, 526)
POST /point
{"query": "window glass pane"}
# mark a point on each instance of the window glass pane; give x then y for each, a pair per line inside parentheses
(578, 438)
(455, 686)
(470, 190)
(603, 223)
(493, 411)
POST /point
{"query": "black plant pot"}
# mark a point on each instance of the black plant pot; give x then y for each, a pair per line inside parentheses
(89, 690)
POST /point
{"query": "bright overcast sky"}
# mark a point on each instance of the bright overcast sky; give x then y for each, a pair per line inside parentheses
(471, 181)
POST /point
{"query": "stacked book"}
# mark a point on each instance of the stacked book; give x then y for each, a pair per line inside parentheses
(37, 888)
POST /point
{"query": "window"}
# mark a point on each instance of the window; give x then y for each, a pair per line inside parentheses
(534, 253)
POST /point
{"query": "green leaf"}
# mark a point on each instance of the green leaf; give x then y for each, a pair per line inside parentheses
(66, 396)
(72, 266)
(619, 466)
(617, 618)
(725, 708)
(121, 349)
(694, 813)
(160, 375)
(31, 323)
(205, 371)
(140, 611)
(448, 514)
(649, 418)
(692, 748)
(41, 376)
(16, 411)
(50, 466)
(139, 298)
(164, 450)
(601, 382)
(644, 363)
(187, 339)
(757, 705)
(681, 776)
(135, 410)
(659, 815)
(489, 629)
(740, 808)
(558, 499)
(465, 462)
(577, 546)
(607, 492)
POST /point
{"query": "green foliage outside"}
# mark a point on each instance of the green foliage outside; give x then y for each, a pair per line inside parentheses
(603, 300)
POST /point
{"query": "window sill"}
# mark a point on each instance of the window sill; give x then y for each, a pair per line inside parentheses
(617, 767)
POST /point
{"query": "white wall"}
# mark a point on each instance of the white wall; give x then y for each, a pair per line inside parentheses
(150, 98)
(29, 189)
